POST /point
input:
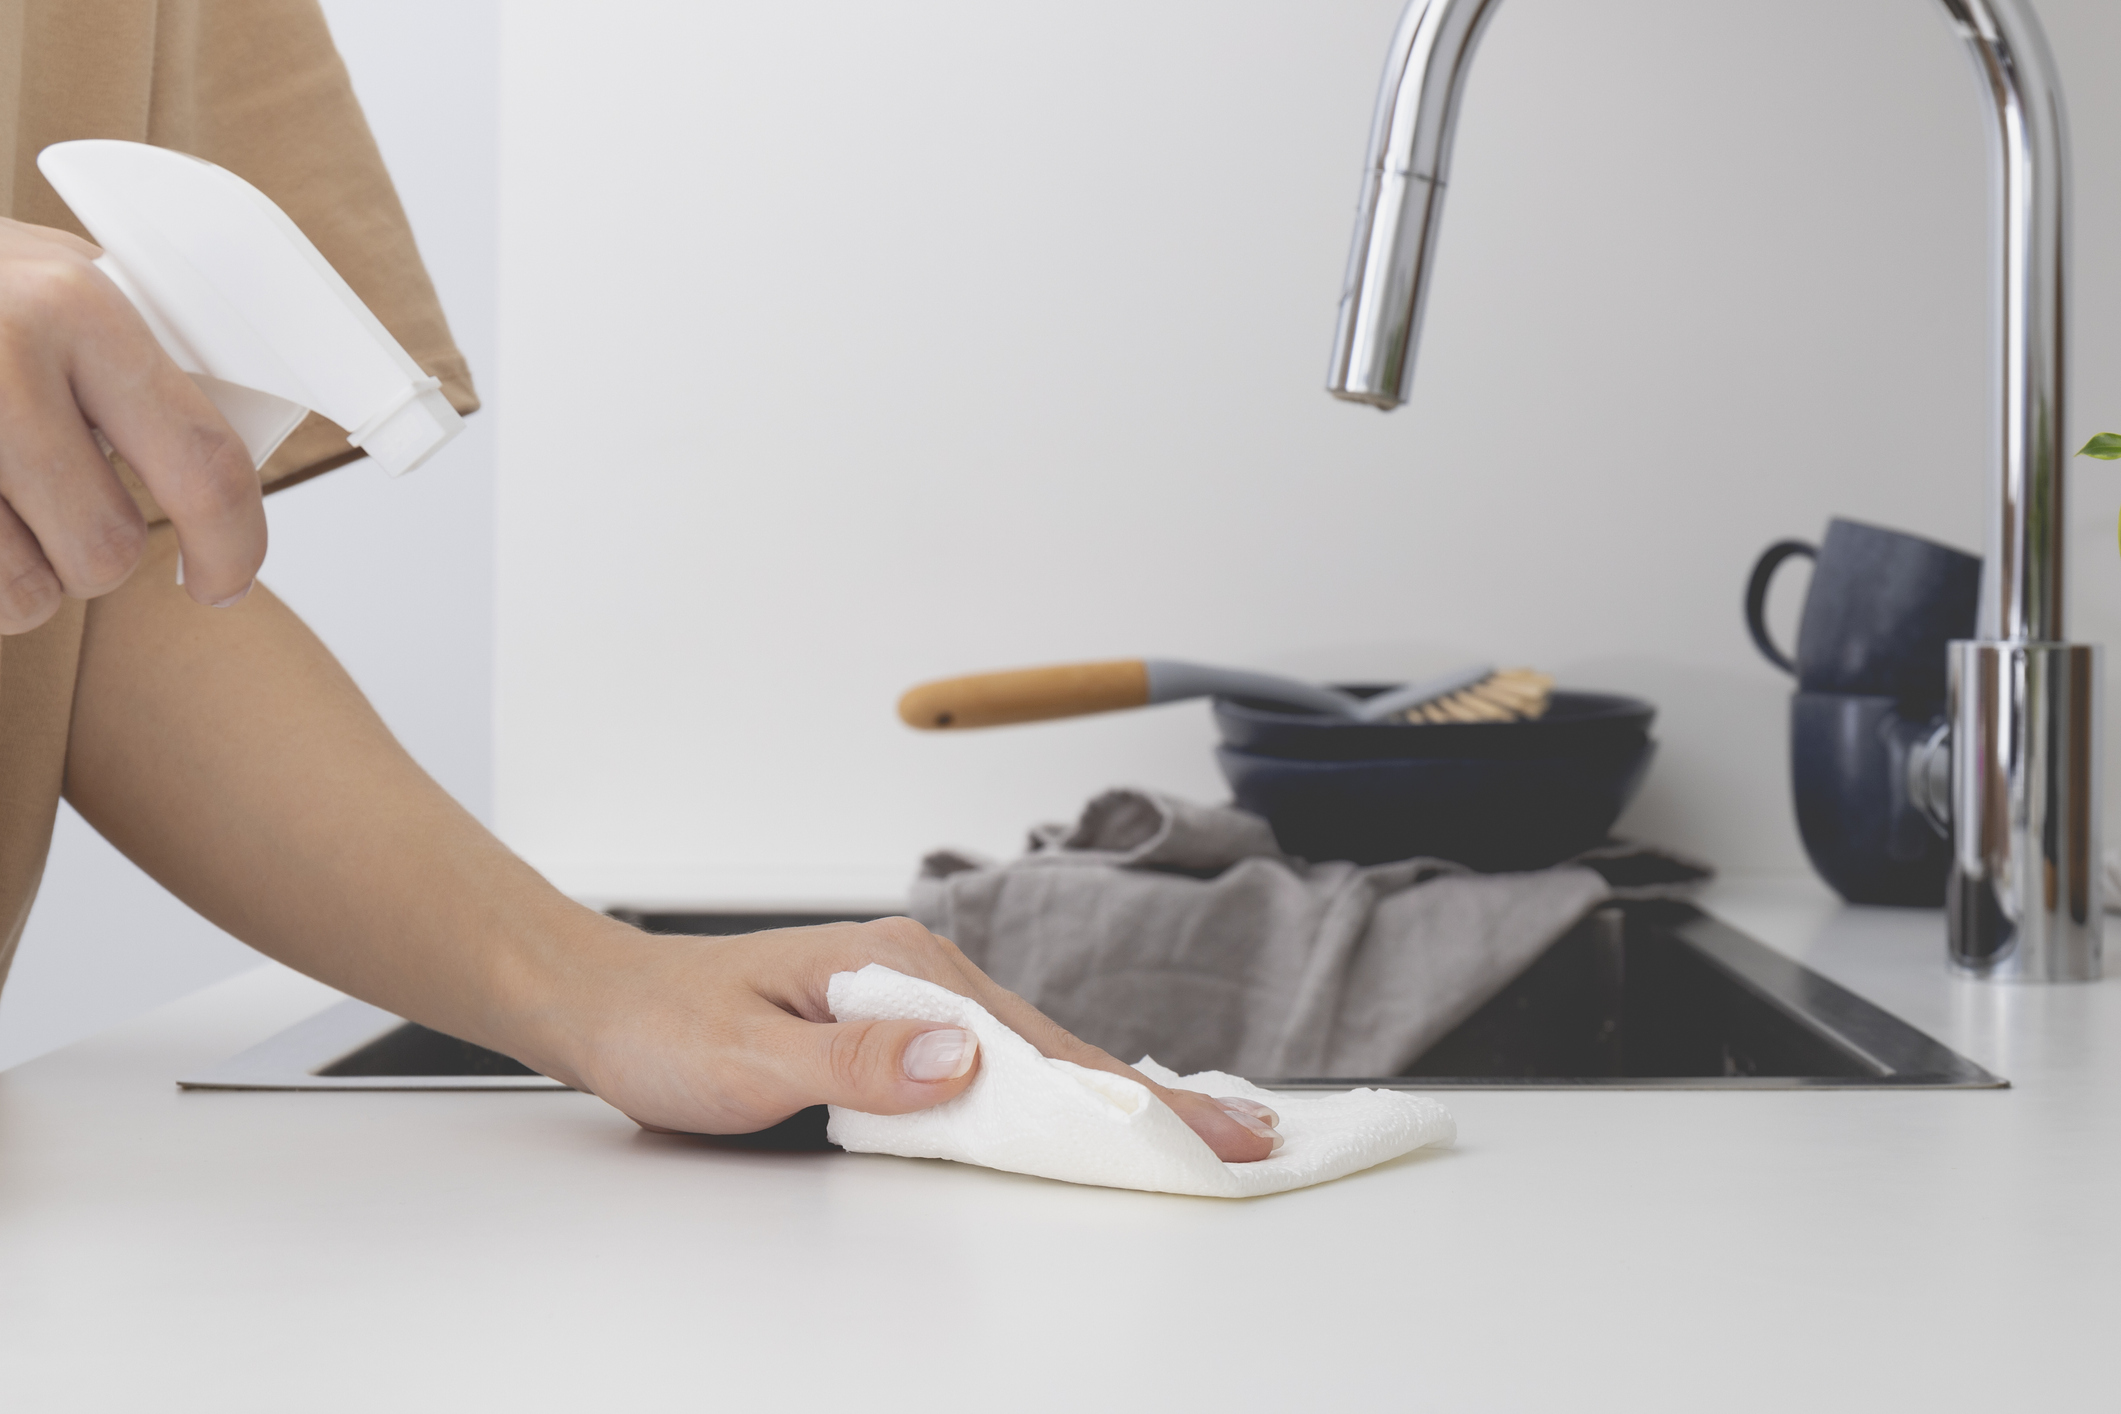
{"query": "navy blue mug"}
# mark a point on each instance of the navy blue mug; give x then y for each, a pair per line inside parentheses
(1870, 670)
(1881, 607)
(1851, 763)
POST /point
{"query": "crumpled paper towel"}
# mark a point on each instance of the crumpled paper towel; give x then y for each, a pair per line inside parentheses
(1053, 1119)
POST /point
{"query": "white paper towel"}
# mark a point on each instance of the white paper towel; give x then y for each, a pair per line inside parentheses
(1028, 1114)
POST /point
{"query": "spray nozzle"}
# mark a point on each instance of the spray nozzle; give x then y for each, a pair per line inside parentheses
(241, 300)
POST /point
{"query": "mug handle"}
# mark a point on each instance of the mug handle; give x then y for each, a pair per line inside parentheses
(1756, 597)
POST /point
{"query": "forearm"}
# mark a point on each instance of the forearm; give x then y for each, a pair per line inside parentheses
(229, 755)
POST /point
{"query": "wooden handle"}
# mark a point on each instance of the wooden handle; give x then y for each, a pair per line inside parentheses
(1026, 695)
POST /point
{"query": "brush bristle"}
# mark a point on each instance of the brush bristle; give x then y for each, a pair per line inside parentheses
(1511, 695)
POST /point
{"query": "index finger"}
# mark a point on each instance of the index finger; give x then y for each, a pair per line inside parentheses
(191, 460)
(1237, 1130)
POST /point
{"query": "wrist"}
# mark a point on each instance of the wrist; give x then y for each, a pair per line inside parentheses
(552, 991)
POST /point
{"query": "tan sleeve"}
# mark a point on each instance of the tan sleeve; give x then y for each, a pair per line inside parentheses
(257, 87)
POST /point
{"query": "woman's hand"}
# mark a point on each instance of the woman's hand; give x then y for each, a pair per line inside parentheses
(76, 356)
(730, 1035)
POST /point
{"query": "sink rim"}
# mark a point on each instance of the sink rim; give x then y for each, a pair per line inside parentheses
(1904, 1057)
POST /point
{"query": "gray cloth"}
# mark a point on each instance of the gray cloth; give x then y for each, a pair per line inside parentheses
(1153, 926)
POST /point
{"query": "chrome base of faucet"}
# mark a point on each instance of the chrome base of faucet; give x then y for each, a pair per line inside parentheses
(2026, 898)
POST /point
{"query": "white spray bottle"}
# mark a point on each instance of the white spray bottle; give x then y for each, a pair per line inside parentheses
(240, 299)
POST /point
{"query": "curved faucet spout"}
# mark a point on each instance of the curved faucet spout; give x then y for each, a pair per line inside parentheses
(1401, 208)
(1401, 204)
(2025, 895)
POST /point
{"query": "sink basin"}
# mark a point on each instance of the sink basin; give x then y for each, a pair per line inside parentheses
(1640, 996)
(1665, 996)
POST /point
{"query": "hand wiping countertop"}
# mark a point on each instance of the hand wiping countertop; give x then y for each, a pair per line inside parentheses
(1030, 1114)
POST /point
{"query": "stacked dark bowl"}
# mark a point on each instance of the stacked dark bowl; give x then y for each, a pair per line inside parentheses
(1491, 795)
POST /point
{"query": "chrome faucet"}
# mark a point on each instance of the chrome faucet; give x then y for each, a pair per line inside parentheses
(2024, 900)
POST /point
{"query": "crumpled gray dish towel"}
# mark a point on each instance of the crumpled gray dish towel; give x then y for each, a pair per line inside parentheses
(1157, 926)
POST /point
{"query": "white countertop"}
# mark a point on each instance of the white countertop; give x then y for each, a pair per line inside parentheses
(164, 1251)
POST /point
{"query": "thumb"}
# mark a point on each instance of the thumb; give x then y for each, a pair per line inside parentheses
(883, 1067)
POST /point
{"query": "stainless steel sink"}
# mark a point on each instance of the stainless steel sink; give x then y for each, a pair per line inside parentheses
(1664, 996)
(1641, 996)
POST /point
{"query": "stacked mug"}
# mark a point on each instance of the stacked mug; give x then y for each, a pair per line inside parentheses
(1868, 714)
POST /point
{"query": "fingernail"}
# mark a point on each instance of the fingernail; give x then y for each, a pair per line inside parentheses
(1258, 1127)
(1251, 1107)
(180, 567)
(236, 598)
(939, 1055)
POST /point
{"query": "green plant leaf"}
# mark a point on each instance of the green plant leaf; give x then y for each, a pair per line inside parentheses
(2106, 447)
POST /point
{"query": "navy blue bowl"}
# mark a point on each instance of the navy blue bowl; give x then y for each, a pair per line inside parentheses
(1575, 724)
(1492, 814)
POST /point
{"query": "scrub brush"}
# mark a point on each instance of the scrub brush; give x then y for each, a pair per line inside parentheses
(1511, 695)
(1473, 694)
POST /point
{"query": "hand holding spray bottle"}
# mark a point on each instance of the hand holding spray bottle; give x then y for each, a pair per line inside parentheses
(243, 302)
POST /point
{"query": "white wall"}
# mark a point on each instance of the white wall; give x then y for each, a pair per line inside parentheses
(397, 577)
(851, 345)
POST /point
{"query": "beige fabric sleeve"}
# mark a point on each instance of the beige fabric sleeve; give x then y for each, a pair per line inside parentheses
(256, 86)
